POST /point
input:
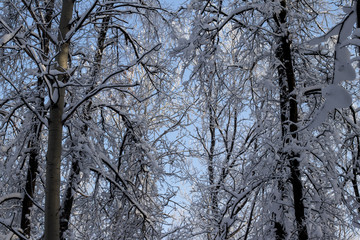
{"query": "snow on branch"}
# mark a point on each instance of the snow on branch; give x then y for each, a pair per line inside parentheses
(37, 20)
(335, 97)
(36, 113)
(9, 36)
(234, 13)
(126, 194)
(343, 29)
(80, 22)
(11, 196)
(92, 93)
(103, 84)
(8, 222)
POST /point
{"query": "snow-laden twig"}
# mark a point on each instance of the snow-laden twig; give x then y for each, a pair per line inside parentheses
(80, 22)
(11, 196)
(343, 29)
(41, 26)
(7, 223)
(103, 86)
(72, 109)
(43, 120)
(145, 214)
(9, 36)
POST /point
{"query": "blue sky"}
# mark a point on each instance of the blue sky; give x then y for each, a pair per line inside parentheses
(173, 3)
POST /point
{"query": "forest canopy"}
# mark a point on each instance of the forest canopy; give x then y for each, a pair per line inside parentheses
(198, 119)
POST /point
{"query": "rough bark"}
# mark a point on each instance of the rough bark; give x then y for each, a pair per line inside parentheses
(27, 202)
(289, 120)
(53, 157)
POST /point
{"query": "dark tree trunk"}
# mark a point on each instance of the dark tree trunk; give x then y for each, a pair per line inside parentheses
(27, 202)
(53, 156)
(289, 120)
(32, 171)
(69, 198)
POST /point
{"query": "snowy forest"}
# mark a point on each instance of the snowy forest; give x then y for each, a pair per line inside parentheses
(177, 120)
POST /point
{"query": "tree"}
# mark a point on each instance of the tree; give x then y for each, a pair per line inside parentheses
(107, 107)
(95, 91)
(267, 44)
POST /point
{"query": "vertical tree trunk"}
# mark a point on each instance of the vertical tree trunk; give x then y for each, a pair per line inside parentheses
(36, 129)
(289, 120)
(53, 157)
(69, 198)
(27, 201)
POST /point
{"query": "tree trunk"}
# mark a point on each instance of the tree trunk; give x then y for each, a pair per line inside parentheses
(53, 157)
(69, 198)
(289, 120)
(27, 202)
(68, 202)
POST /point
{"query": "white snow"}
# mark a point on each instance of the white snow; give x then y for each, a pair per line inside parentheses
(11, 196)
(6, 38)
(354, 41)
(347, 9)
(318, 232)
(356, 32)
(334, 31)
(347, 27)
(335, 97)
(343, 29)
(58, 84)
(55, 95)
(55, 72)
(343, 68)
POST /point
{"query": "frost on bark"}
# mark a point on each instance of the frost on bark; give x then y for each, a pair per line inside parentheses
(53, 157)
(289, 121)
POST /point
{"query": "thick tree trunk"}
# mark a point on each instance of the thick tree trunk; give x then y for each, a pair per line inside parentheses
(289, 120)
(53, 157)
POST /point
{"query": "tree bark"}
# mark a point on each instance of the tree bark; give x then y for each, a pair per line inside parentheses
(53, 156)
(289, 120)
(69, 198)
(27, 203)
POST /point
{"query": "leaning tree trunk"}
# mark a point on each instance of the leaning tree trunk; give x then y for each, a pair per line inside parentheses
(53, 156)
(289, 120)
